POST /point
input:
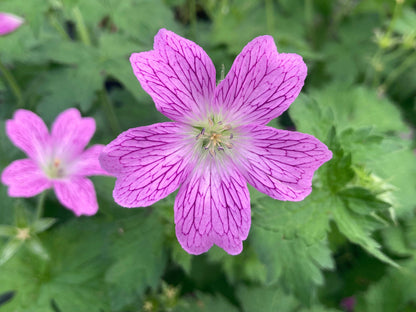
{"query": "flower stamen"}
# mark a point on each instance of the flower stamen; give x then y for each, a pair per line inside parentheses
(55, 169)
(215, 136)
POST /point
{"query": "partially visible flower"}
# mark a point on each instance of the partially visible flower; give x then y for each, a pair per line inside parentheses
(348, 304)
(56, 160)
(218, 141)
(9, 23)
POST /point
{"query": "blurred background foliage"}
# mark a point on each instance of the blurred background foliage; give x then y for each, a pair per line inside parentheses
(349, 246)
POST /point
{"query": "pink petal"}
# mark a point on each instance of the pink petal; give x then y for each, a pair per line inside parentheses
(213, 207)
(87, 163)
(178, 75)
(149, 162)
(29, 133)
(9, 23)
(77, 194)
(279, 163)
(71, 133)
(261, 83)
(24, 178)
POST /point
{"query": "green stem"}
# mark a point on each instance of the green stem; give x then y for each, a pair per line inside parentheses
(109, 111)
(394, 74)
(309, 15)
(40, 206)
(81, 27)
(396, 14)
(54, 22)
(12, 83)
(192, 18)
(379, 52)
(269, 16)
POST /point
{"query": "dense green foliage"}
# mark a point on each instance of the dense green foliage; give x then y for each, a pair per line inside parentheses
(355, 235)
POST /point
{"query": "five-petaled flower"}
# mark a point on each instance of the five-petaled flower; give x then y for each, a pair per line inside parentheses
(9, 23)
(55, 160)
(218, 141)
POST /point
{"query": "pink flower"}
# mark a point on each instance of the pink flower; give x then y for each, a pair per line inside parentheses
(218, 141)
(55, 160)
(9, 23)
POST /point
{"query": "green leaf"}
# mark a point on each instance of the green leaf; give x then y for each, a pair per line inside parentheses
(138, 258)
(35, 247)
(147, 15)
(246, 266)
(296, 264)
(307, 219)
(363, 144)
(406, 23)
(73, 277)
(338, 170)
(354, 36)
(42, 224)
(7, 230)
(361, 200)
(394, 292)
(19, 44)
(312, 117)
(394, 239)
(401, 239)
(181, 257)
(396, 163)
(357, 229)
(64, 51)
(9, 250)
(266, 299)
(59, 86)
(205, 303)
(350, 107)
(273, 299)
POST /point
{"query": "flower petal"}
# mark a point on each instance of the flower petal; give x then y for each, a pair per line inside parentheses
(71, 133)
(29, 133)
(9, 23)
(279, 163)
(77, 194)
(213, 207)
(149, 162)
(178, 75)
(24, 178)
(88, 162)
(261, 84)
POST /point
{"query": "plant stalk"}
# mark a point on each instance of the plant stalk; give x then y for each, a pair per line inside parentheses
(14, 87)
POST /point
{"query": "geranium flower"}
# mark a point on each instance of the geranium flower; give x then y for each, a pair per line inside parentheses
(55, 160)
(218, 141)
(9, 23)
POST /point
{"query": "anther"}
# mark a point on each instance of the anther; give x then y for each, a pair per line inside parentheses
(200, 134)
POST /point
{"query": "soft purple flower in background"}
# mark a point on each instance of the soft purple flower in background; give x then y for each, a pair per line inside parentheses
(9, 23)
(348, 304)
(55, 160)
(218, 141)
